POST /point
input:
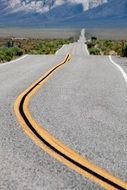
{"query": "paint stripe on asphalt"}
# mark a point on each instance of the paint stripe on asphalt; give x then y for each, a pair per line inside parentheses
(119, 68)
(54, 147)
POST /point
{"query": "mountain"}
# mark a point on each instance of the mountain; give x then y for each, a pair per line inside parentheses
(109, 15)
(63, 13)
(42, 6)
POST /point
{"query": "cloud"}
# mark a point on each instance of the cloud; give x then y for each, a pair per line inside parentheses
(42, 6)
(60, 2)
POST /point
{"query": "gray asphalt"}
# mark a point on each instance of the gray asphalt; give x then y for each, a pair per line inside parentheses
(122, 61)
(22, 164)
(83, 105)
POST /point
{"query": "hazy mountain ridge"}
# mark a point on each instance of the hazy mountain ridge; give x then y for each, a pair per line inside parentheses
(68, 13)
(110, 15)
(42, 6)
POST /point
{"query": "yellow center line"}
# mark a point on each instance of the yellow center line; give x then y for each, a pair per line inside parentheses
(53, 146)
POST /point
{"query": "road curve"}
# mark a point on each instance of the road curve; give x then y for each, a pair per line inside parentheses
(22, 164)
(78, 106)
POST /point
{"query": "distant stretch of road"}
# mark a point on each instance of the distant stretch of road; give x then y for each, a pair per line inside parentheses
(63, 121)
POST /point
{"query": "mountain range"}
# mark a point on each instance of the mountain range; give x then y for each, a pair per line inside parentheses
(63, 13)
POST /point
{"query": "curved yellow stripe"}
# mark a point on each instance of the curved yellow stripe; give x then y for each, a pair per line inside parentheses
(57, 144)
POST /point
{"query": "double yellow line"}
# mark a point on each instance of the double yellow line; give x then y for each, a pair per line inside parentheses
(53, 146)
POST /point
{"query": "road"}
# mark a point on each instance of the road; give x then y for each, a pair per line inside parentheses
(83, 104)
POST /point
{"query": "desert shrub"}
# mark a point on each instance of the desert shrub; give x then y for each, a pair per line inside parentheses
(94, 51)
(124, 51)
(91, 44)
(1, 56)
(106, 46)
(7, 54)
(93, 38)
(117, 48)
(108, 43)
(30, 46)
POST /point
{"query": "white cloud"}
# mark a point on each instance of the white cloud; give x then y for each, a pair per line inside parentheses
(44, 6)
(60, 2)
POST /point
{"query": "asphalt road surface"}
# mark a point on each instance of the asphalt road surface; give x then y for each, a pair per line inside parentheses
(84, 105)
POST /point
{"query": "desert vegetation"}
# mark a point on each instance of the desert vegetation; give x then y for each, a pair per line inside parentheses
(13, 48)
(107, 47)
